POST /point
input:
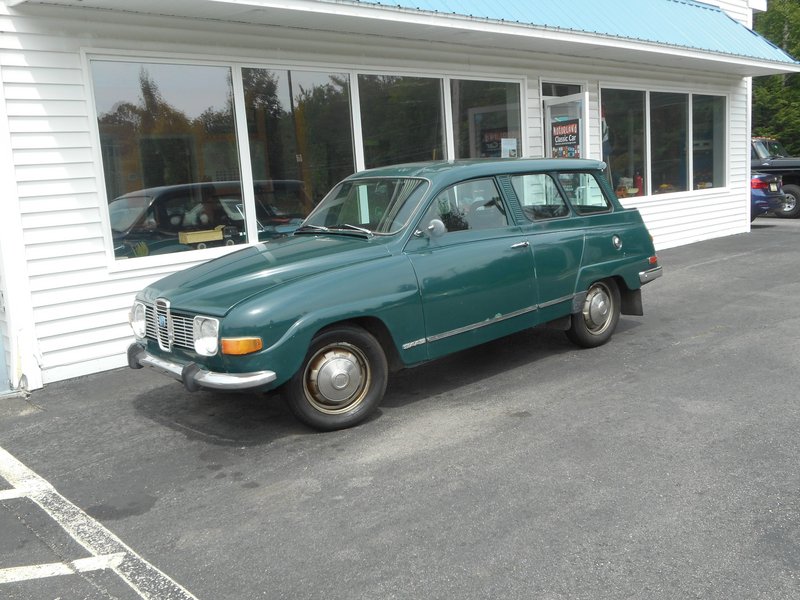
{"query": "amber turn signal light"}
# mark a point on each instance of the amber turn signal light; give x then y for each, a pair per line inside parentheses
(238, 346)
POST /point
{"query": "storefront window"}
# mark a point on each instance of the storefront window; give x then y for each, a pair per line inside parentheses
(623, 131)
(668, 142)
(486, 119)
(708, 141)
(401, 119)
(170, 127)
(300, 135)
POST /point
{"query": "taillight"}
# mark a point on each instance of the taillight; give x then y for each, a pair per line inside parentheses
(758, 184)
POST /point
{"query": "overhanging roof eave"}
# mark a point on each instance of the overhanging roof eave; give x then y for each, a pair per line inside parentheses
(391, 22)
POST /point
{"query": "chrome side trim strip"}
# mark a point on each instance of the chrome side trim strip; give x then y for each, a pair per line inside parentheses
(557, 301)
(491, 321)
(414, 344)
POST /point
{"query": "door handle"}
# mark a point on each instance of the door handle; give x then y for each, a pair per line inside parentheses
(520, 245)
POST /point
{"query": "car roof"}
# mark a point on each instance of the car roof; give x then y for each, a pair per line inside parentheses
(278, 184)
(465, 169)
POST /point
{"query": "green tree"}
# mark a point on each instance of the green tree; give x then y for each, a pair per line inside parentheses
(776, 98)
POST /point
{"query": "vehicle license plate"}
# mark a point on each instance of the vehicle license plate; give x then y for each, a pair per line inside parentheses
(773, 187)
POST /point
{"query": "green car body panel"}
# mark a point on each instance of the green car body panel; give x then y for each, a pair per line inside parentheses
(422, 296)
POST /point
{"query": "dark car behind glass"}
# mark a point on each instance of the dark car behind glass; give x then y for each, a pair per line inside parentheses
(173, 218)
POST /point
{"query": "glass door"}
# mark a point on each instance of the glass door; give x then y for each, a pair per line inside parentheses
(565, 125)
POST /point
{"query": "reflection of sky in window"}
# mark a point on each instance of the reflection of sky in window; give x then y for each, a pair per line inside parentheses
(190, 89)
(301, 81)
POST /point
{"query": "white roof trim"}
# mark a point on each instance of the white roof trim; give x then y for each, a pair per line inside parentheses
(392, 22)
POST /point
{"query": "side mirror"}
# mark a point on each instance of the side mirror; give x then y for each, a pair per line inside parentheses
(436, 228)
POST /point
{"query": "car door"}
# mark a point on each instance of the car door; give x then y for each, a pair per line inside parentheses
(474, 268)
(556, 239)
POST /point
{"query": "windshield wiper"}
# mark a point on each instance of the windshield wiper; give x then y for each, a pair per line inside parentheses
(309, 227)
(355, 228)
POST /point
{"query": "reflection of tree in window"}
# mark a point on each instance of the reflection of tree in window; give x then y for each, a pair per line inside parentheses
(150, 142)
(401, 119)
(299, 127)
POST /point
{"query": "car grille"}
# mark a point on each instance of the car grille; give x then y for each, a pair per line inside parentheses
(167, 328)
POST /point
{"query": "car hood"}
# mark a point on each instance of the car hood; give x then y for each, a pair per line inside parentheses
(215, 287)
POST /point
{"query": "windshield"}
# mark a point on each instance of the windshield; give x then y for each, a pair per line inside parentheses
(368, 206)
(126, 211)
(769, 148)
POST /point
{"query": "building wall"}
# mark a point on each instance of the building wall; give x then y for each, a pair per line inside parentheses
(79, 296)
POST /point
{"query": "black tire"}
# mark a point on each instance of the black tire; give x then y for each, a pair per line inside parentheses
(342, 379)
(599, 315)
(790, 209)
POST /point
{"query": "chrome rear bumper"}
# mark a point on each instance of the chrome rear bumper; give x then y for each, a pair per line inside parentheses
(650, 275)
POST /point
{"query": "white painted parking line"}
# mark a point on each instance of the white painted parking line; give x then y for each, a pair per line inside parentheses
(82, 565)
(141, 576)
(11, 494)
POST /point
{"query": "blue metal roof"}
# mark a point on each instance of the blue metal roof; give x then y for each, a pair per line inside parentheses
(679, 23)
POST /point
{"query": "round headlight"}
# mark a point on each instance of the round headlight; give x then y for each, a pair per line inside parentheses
(138, 320)
(206, 332)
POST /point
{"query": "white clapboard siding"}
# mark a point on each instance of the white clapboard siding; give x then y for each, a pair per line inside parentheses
(5, 344)
(738, 9)
(534, 121)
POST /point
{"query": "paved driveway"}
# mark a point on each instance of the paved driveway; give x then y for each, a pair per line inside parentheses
(663, 465)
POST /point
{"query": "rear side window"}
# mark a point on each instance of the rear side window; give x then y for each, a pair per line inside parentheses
(539, 196)
(584, 193)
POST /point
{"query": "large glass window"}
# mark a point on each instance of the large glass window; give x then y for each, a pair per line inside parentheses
(623, 131)
(708, 141)
(669, 128)
(401, 119)
(486, 119)
(168, 138)
(679, 154)
(165, 125)
(299, 129)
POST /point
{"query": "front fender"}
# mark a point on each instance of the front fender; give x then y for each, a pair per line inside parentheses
(288, 317)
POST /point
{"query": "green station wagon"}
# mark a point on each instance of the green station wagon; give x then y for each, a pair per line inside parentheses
(398, 266)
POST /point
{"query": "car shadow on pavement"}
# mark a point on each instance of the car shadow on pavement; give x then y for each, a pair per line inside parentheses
(220, 418)
(480, 363)
(251, 419)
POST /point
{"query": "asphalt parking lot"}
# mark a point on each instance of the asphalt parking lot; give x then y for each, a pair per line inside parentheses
(662, 465)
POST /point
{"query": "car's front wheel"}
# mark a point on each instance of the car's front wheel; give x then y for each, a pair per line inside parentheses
(599, 315)
(342, 379)
(790, 207)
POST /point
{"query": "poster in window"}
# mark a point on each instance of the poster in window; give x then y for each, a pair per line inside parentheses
(566, 138)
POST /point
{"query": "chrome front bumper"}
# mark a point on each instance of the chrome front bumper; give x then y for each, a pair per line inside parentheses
(650, 275)
(193, 377)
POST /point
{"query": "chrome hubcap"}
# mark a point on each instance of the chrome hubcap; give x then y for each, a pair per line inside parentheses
(597, 309)
(337, 378)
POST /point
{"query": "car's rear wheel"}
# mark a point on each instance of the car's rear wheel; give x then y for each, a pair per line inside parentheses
(342, 379)
(790, 207)
(599, 315)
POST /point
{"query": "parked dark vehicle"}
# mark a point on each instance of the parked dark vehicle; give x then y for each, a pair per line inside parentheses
(766, 194)
(767, 155)
(173, 218)
(395, 267)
